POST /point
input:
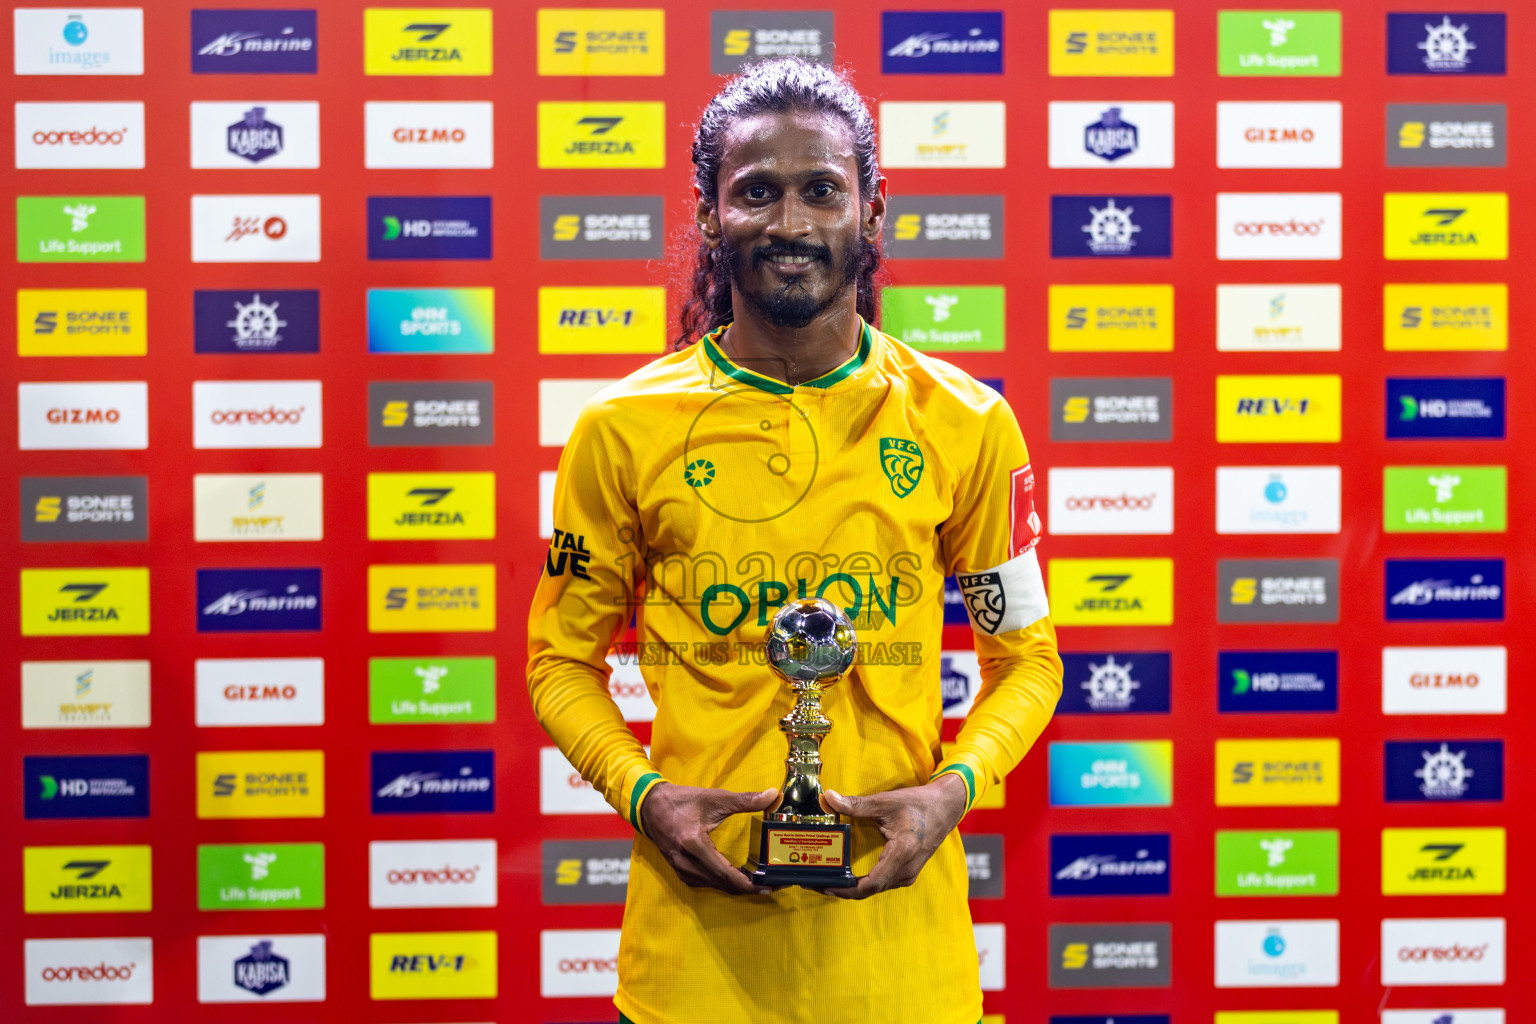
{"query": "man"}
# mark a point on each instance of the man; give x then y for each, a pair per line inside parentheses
(793, 450)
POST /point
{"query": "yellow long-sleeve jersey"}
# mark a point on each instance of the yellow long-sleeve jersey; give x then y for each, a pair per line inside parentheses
(699, 496)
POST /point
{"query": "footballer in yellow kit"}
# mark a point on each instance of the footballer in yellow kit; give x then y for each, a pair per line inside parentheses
(792, 450)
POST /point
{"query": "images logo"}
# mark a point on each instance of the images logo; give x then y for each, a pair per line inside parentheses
(1100, 226)
(941, 42)
(435, 320)
(260, 968)
(1111, 43)
(957, 319)
(1111, 135)
(1277, 773)
(592, 134)
(85, 972)
(84, 135)
(431, 598)
(234, 42)
(945, 227)
(427, 41)
(1110, 865)
(1278, 499)
(417, 506)
(1133, 774)
(600, 227)
(1278, 318)
(104, 786)
(1277, 590)
(1444, 680)
(1277, 954)
(1279, 134)
(432, 874)
(256, 136)
(1279, 226)
(1446, 226)
(1278, 43)
(1445, 407)
(1443, 317)
(268, 876)
(602, 320)
(434, 782)
(1444, 770)
(1468, 499)
(1443, 951)
(1446, 135)
(1437, 590)
(86, 879)
(741, 36)
(85, 602)
(1111, 501)
(942, 134)
(1111, 408)
(80, 322)
(572, 41)
(1111, 591)
(1115, 683)
(1110, 955)
(1301, 863)
(84, 508)
(71, 41)
(1442, 861)
(1111, 318)
(80, 229)
(420, 690)
(1266, 409)
(429, 227)
(1424, 43)
(256, 322)
(430, 135)
(84, 694)
(261, 784)
(1277, 681)
(258, 600)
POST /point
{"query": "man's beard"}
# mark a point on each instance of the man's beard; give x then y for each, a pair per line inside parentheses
(792, 305)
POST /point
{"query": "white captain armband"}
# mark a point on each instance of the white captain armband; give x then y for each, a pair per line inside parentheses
(1008, 597)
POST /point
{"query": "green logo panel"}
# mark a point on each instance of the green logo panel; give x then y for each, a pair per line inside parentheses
(426, 691)
(968, 319)
(1444, 499)
(261, 876)
(1304, 863)
(1278, 43)
(80, 229)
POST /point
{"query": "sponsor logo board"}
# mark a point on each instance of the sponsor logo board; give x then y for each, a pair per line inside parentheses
(80, 229)
(562, 790)
(1437, 43)
(1296, 863)
(256, 134)
(1279, 134)
(945, 319)
(428, 136)
(84, 508)
(1137, 1018)
(560, 402)
(601, 227)
(1442, 951)
(433, 781)
(429, 227)
(609, 41)
(86, 879)
(257, 506)
(1446, 135)
(1277, 954)
(433, 320)
(424, 691)
(427, 506)
(1120, 682)
(1111, 133)
(1279, 226)
(1444, 680)
(432, 965)
(1277, 590)
(1110, 955)
(260, 691)
(957, 134)
(581, 319)
(84, 694)
(1137, 773)
(256, 414)
(1443, 771)
(1111, 591)
(1288, 43)
(258, 600)
(1428, 499)
(247, 42)
(1110, 864)
(1277, 681)
(1439, 1017)
(70, 135)
(456, 873)
(992, 955)
(1118, 500)
(431, 598)
(1105, 43)
(261, 784)
(1279, 318)
(626, 685)
(1445, 317)
(82, 415)
(959, 671)
(408, 414)
(1445, 407)
(591, 870)
(81, 322)
(427, 41)
(984, 866)
(1281, 1016)
(737, 37)
(1111, 226)
(256, 322)
(578, 962)
(941, 42)
(944, 227)
(260, 968)
(261, 876)
(590, 134)
(1442, 861)
(1445, 226)
(89, 972)
(1110, 318)
(1111, 408)
(1263, 409)
(1278, 499)
(256, 228)
(79, 41)
(98, 786)
(1277, 773)
(1443, 589)
(85, 601)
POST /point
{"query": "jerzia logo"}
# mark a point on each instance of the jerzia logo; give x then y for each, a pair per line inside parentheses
(427, 41)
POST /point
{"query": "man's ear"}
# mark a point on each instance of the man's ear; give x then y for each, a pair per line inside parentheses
(874, 214)
(707, 218)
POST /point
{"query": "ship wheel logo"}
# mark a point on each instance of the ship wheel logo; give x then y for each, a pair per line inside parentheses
(256, 322)
(1111, 229)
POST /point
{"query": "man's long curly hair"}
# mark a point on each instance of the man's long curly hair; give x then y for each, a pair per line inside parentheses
(774, 86)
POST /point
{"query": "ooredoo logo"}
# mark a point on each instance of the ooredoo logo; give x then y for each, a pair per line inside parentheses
(1110, 501)
(578, 962)
(1280, 229)
(84, 135)
(1442, 951)
(460, 873)
(256, 414)
(84, 972)
(1279, 226)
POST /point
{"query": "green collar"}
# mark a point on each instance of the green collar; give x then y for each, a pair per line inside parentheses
(777, 387)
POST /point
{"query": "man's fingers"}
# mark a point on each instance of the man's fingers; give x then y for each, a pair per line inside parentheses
(721, 872)
(727, 803)
(853, 806)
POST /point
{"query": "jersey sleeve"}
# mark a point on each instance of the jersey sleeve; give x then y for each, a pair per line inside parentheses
(584, 599)
(988, 545)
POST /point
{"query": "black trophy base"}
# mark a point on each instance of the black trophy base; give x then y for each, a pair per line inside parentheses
(808, 855)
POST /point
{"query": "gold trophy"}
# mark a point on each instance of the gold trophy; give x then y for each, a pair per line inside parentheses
(811, 645)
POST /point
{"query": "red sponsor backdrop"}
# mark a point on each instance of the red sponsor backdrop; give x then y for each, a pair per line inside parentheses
(515, 185)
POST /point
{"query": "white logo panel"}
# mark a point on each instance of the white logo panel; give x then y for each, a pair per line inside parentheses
(1444, 680)
(89, 972)
(82, 416)
(260, 968)
(1279, 226)
(1277, 954)
(459, 873)
(260, 691)
(959, 679)
(992, 955)
(560, 402)
(256, 414)
(578, 962)
(258, 506)
(256, 134)
(1279, 317)
(1111, 134)
(428, 135)
(1442, 1017)
(84, 694)
(943, 134)
(1278, 499)
(627, 687)
(256, 229)
(1442, 951)
(562, 790)
(68, 135)
(547, 503)
(1279, 134)
(79, 40)
(1110, 500)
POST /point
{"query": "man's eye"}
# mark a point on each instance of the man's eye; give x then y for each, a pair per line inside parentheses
(758, 192)
(822, 190)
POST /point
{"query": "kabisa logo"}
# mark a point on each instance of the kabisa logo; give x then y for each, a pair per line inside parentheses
(1110, 955)
(1277, 590)
(741, 36)
(1112, 226)
(1445, 407)
(1277, 681)
(1111, 42)
(1446, 135)
(945, 227)
(1111, 591)
(106, 786)
(1446, 225)
(1111, 135)
(254, 42)
(84, 508)
(84, 135)
(65, 41)
(260, 968)
(1442, 861)
(1277, 954)
(1441, 317)
(437, 320)
(434, 782)
(1298, 863)
(1131, 774)
(427, 41)
(86, 879)
(85, 602)
(1434, 43)
(591, 134)
(1444, 770)
(79, 972)
(246, 136)
(1277, 773)
(405, 414)
(254, 138)
(429, 227)
(602, 42)
(1115, 683)
(258, 600)
(600, 227)
(586, 870)
(1436, 590)
(941, 42)
(268, 321)
(261, 971)
(1110, 864)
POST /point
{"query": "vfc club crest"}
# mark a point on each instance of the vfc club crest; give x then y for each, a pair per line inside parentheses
(902, 461)
(984, 597)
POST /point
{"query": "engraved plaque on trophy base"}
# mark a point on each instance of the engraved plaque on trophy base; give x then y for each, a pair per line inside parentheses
(801, 853)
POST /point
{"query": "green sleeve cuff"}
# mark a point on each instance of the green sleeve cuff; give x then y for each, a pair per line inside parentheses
(642, 788)
(966, 775)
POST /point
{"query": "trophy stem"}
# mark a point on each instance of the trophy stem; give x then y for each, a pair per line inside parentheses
(805, 726)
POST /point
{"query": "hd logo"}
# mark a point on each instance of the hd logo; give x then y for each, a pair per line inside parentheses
(432, 965)
(86, 879)
(1111, 591)
(431, 598)
(80, 322)
(601, 42)
(426, 41)
(1446, 226)
(1445, 317)
(582, 320)
(85, 602)
(431, 506)
(261, 784)
(591, 134)
(1442, 861)
(1277, 773)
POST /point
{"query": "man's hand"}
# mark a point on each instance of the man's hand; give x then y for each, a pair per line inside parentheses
(914, 822)
(679, 820)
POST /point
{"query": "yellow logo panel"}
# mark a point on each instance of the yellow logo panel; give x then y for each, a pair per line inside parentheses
(1111, 591)
(431, 506)
(1445, 317)
(1111, 43)
(1442, 861)
(86, 879)
(84, 602)
(261, 784)
(602, 41)
(1277, 1017)
(427, 41)
(80, 321)
(602, 320)
(1261, 409)
(432, 965)
(1111, 318)
(602, 134)
(1446, 226)
(431, 598)
(1277, 773)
